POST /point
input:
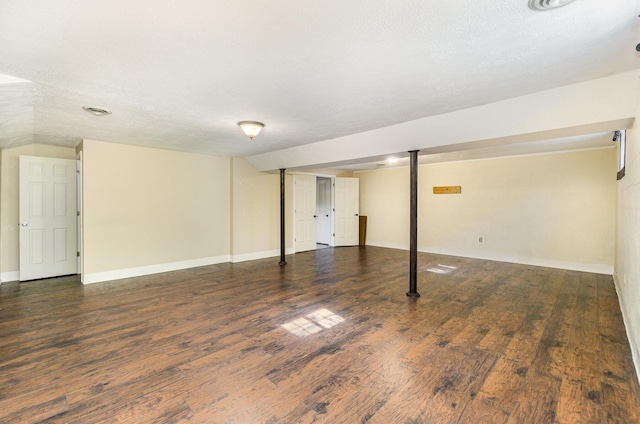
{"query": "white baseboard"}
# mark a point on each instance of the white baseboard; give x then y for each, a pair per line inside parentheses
(542, 262)
(118, 274)
(5, 277)
(260, 255)
(548, 263)
(399, 246)
(633, 344)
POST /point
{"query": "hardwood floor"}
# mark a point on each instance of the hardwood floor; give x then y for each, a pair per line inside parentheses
(330, 338)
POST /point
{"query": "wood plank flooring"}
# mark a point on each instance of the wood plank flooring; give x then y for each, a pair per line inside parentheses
(330, 338)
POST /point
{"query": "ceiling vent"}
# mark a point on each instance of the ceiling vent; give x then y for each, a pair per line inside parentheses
(542, 5)
(96, 111)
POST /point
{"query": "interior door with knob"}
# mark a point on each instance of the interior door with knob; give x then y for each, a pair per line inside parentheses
(304, 198)
(347, 211)
(48, 214)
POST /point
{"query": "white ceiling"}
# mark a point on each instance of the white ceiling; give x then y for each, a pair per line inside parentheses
(179, 75)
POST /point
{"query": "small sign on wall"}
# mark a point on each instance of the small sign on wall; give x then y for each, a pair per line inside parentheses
(447, 190)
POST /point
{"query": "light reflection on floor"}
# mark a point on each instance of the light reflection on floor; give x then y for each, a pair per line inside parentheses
(313, 323)
(441, 269)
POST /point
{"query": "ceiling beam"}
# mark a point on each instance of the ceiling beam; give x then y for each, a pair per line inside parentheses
(599, 105)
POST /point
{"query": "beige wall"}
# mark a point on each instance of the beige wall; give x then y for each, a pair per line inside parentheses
(329, 172)
(9, 208)
(384, 200)
(149, 210)
(256, 212)
(627, 269)
(553, 210)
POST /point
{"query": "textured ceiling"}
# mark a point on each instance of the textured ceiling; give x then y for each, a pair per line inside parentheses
(179, 75)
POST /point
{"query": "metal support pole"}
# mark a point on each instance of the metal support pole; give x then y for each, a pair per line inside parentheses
(282, 261)
(413, 227)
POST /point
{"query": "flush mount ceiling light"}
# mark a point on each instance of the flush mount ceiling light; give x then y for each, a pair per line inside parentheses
(97, 111)
(251, 128)
(541, 5)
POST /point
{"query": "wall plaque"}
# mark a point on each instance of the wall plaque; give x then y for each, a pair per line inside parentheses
(447, 190)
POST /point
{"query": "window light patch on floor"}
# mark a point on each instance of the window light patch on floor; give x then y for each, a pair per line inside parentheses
(325, 318)
(441, 269)
(301, 327)
(313, 323)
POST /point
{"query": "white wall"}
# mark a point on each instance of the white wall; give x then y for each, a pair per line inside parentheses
(555, 210)
(9, 206)
(149, 210)
(627, 268)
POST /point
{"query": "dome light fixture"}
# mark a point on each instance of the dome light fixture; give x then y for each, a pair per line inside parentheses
(542, 5)
(251, 128)
(97, 111)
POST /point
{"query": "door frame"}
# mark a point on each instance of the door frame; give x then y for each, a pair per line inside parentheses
(332, 210)
(75, 212)
(298, 245)
(331, 183)
(79, 213)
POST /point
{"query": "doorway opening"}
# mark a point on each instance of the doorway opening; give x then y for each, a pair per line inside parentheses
(48, 227)
(323, 212)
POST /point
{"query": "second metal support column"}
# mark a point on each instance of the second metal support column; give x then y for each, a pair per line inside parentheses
(282, 246)
(413, 227)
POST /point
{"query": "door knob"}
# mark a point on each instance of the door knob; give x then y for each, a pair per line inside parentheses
(356, 214)
(315, 216)
(327, 216)
(24, 224)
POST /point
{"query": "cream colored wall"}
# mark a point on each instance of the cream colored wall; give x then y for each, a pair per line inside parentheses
(149, 210)
(553, 210)
(627, 269)
(384, 200)
(329, 171)
(9, 208)
(1, 226)
(256, 212)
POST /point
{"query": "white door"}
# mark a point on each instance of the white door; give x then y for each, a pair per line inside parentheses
(47, 217)
(305, 212)
(347, 205)
(323, 211)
